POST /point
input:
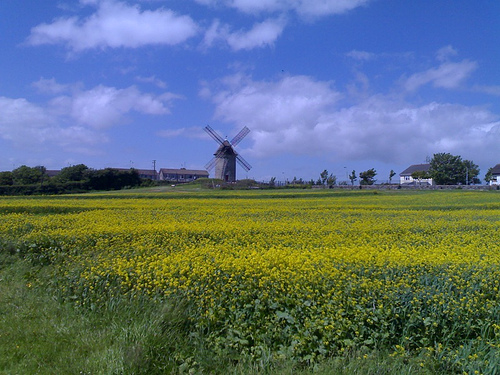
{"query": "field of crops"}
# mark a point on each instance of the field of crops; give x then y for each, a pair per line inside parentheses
(302, 275)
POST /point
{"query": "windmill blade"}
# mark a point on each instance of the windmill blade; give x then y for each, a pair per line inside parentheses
(214, 134)
(246, 166)
(238, 137)
(210, 164)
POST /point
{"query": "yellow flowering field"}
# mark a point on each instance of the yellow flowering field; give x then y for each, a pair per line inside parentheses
(296, 274)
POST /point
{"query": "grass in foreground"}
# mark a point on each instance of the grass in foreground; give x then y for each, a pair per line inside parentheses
(41, 335)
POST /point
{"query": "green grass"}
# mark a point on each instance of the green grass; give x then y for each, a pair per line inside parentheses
(39, 334)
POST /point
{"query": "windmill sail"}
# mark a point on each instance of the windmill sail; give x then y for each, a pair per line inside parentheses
(213, 134)
(238, 137)
(210, 164)
(246, 166)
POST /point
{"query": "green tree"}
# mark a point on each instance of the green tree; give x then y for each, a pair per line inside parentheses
(73, 173)
(6, 178)
(323, 177)
(353, 177)
(489, 175)
(113, 179)
(368, 177)
(331, 180)
(471, 172)
(391, 175)
(447, 169)
(25, 175)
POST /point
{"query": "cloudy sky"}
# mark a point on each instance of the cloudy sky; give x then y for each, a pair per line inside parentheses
(322, 84)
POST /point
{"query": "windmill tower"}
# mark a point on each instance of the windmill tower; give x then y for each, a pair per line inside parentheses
(225, 157)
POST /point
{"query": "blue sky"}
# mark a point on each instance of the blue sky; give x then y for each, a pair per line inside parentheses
(322, 84)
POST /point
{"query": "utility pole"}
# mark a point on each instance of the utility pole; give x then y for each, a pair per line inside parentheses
(154, 168)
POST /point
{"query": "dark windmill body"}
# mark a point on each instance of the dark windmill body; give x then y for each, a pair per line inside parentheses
(225, 158)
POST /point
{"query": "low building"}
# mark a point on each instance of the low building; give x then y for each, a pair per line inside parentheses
(181, 175)
(405, 177)
(495, 175)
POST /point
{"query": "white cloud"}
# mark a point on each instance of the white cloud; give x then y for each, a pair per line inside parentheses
(25, 123)
(261, 35)
(443, 54)
(290, 102)
(302, 116)
(305, 8)
(153, 80)
(115, 24)
(76, 119)
(326, 7)
(49, 86)
(361, 55)
(448, 75)
(15, 112)
(104, 106)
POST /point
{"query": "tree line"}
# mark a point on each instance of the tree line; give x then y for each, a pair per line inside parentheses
(74, 179)
(444, 169)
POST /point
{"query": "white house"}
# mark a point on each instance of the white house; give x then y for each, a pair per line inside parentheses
(495, 175)
(405, 177)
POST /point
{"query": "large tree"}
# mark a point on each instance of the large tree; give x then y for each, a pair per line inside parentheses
(25, 175)
(73, 173)
(368, 177)
(447, 169)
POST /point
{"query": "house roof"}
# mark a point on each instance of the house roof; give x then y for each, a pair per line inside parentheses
(415, 168)
(183, 171)
(496, 169)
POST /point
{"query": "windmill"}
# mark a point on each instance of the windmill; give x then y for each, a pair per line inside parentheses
(225, 157)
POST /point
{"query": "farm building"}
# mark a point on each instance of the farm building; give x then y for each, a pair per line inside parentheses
(406, 178)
